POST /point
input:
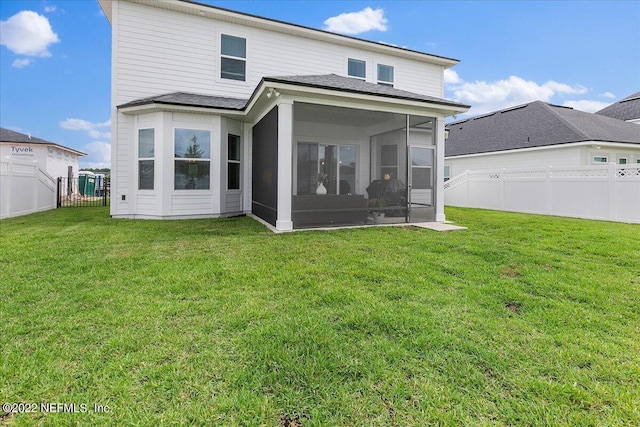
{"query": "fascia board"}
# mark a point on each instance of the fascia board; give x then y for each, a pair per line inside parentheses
(548, 147)
(161, 106)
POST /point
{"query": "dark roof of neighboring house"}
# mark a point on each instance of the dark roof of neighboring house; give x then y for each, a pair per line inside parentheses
(536, 124)
(327, 81)
(13, 137)
(625, 109)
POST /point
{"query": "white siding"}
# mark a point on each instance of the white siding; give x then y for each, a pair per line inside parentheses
(160, 51)
(565, 156)
(576, 155)
(157, 51)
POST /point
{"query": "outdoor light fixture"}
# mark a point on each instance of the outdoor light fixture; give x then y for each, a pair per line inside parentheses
(272, 91)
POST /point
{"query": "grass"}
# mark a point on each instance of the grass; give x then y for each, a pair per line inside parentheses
(521, 320)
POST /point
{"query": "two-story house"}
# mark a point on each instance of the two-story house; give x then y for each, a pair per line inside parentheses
(220, 113)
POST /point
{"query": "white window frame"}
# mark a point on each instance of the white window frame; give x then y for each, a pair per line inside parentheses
(209, 159)
(140, 159)
(238, 58)
(365, 68)
(384, 82)
(238, 162)
(621, 158)
(599, 162)
(447, 173)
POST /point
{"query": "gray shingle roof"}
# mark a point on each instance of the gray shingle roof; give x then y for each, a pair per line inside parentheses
(7, 135)
(349, 84)
(327, 81)
(625, 109)
(192, 100)
(535, 124)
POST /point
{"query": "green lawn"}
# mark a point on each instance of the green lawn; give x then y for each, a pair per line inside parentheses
(519, 321)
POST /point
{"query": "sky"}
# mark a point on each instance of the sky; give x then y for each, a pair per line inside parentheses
(55, 55)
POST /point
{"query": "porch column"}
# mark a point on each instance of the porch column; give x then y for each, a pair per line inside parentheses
(285, 159)
(439, 189)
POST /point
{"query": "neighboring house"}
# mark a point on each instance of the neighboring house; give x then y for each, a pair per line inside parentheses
(220, 113)
(627, 109)
(52, 158)
(538, 134)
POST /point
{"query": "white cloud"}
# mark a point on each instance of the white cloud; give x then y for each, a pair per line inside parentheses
(92, 129)
(486, 97)
(50, 9)
(608, 95)
(98, 152)
(586, 105)
(357, 22)
(27, 33)
(98, 155)
(21, 62)
(451, 77)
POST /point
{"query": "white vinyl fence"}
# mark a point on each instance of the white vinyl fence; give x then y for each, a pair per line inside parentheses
(607, 192)
(24, 188)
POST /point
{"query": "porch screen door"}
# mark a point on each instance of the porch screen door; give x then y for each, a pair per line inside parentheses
(421, 183)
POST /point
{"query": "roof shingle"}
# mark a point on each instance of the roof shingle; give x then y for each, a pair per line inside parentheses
(625, 109)
(326, 81)
(535, 124)
(7, 135)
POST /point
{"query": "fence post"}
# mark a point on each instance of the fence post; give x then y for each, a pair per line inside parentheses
(104, 191)
(548, 190)
(466, 180)
(611, 176)
(502, 174)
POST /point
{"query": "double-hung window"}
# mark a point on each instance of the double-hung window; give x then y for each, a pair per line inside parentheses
(357, 68)
(385, 75)
(146, 164)
(233, 60)
(192, 159)
(233, 162)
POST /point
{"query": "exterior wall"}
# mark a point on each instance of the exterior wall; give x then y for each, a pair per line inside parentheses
(161, 51)
(164, 200)
(157, 51)
(577, 155)
(230, 200)
(53, 160)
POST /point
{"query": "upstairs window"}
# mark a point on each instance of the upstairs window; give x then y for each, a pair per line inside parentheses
(357, 68)
(385, 75)
(233, 61)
